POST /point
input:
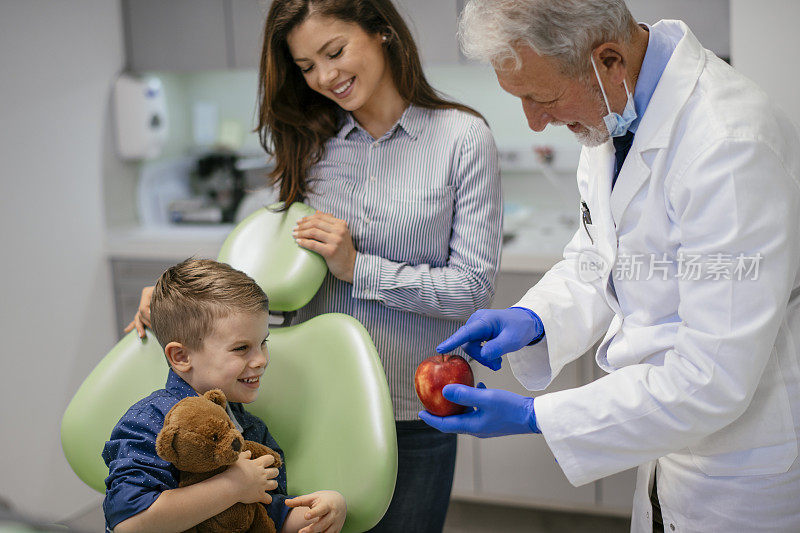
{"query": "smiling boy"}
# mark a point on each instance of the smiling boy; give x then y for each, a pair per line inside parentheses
(212, 322)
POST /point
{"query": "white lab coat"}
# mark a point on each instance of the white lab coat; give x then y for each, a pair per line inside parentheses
(703, 374)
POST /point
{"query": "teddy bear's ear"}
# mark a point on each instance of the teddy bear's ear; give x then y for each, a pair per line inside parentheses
(164, 444)
(216, 396)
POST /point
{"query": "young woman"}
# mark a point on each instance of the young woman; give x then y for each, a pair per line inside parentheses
(407, 191)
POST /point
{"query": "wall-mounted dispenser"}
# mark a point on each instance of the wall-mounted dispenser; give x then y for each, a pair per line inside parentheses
(140, 110)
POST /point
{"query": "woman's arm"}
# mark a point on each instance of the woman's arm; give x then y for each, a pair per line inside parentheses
(466, 282)
(142, 318)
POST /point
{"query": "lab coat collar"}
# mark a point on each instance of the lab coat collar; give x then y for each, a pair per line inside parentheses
(673, 89)
(655, 131)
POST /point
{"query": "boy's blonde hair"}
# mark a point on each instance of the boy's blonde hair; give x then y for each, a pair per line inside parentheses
(191, 295)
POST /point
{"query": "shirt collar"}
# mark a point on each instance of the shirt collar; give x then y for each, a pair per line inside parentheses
(178, 387)
(659, 51)
(410, 122)
(233, 418)
(347, 124)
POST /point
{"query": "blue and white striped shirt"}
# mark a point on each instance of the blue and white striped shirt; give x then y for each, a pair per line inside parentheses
(423, 206)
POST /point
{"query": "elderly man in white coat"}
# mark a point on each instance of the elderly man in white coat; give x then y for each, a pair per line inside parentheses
(686, 264)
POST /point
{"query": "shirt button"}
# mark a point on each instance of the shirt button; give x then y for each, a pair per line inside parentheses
(367, 220)
(372, 178)
(374, 145)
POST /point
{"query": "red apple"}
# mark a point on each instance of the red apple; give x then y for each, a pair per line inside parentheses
(433, 374)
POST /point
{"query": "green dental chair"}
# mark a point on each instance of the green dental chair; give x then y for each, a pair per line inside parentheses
(324, 395)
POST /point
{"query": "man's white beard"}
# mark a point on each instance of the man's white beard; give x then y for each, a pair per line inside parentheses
(592, 136)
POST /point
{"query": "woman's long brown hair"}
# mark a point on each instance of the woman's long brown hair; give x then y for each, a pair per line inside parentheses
(293, 120)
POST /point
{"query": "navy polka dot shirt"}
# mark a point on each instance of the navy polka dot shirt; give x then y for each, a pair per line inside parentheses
(137, 475)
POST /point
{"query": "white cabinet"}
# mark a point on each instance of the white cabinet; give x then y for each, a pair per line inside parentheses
(129, 277)
(247, 31)
(187, 35)
(709, 20)
(434, 25)
(520, 469)
(178, 35)
(190, 35)
(465, 481)
(615, 493)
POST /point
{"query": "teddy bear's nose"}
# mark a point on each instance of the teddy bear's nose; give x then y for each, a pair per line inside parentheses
(236, 445)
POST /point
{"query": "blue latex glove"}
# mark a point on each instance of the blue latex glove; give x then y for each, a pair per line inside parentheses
(506, 330)
(497, 412)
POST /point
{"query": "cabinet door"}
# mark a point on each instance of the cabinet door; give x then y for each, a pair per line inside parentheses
(511, 287)
(129, 277)
(434, 25)
(247, 21)
(709, 20)
(520, 468)
(179, 35)
(614, 493)
(464, 479)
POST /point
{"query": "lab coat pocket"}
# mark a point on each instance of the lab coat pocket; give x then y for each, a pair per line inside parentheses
(761, 441)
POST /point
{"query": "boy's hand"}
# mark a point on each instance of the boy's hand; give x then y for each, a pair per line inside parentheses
(252, 478)
(142, 318)
(327, 511)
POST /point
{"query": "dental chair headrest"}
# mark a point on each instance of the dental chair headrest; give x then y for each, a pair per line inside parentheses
(262, 246)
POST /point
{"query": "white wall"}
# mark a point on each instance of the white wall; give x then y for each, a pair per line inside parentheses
(57, 61)
(765, 45)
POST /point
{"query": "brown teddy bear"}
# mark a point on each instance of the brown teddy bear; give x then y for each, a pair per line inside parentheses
(199, 438)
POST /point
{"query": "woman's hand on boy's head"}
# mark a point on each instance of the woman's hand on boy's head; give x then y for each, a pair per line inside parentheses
(326, 511)
(142, 318)
(329, 237)
(252, 478)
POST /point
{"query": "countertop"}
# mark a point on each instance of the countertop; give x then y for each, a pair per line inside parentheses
(166, 242)
(533, 250)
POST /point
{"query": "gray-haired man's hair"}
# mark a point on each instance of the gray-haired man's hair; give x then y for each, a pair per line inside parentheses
(566, 30)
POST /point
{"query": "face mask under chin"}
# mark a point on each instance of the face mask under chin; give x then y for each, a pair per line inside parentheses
(616, 124)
